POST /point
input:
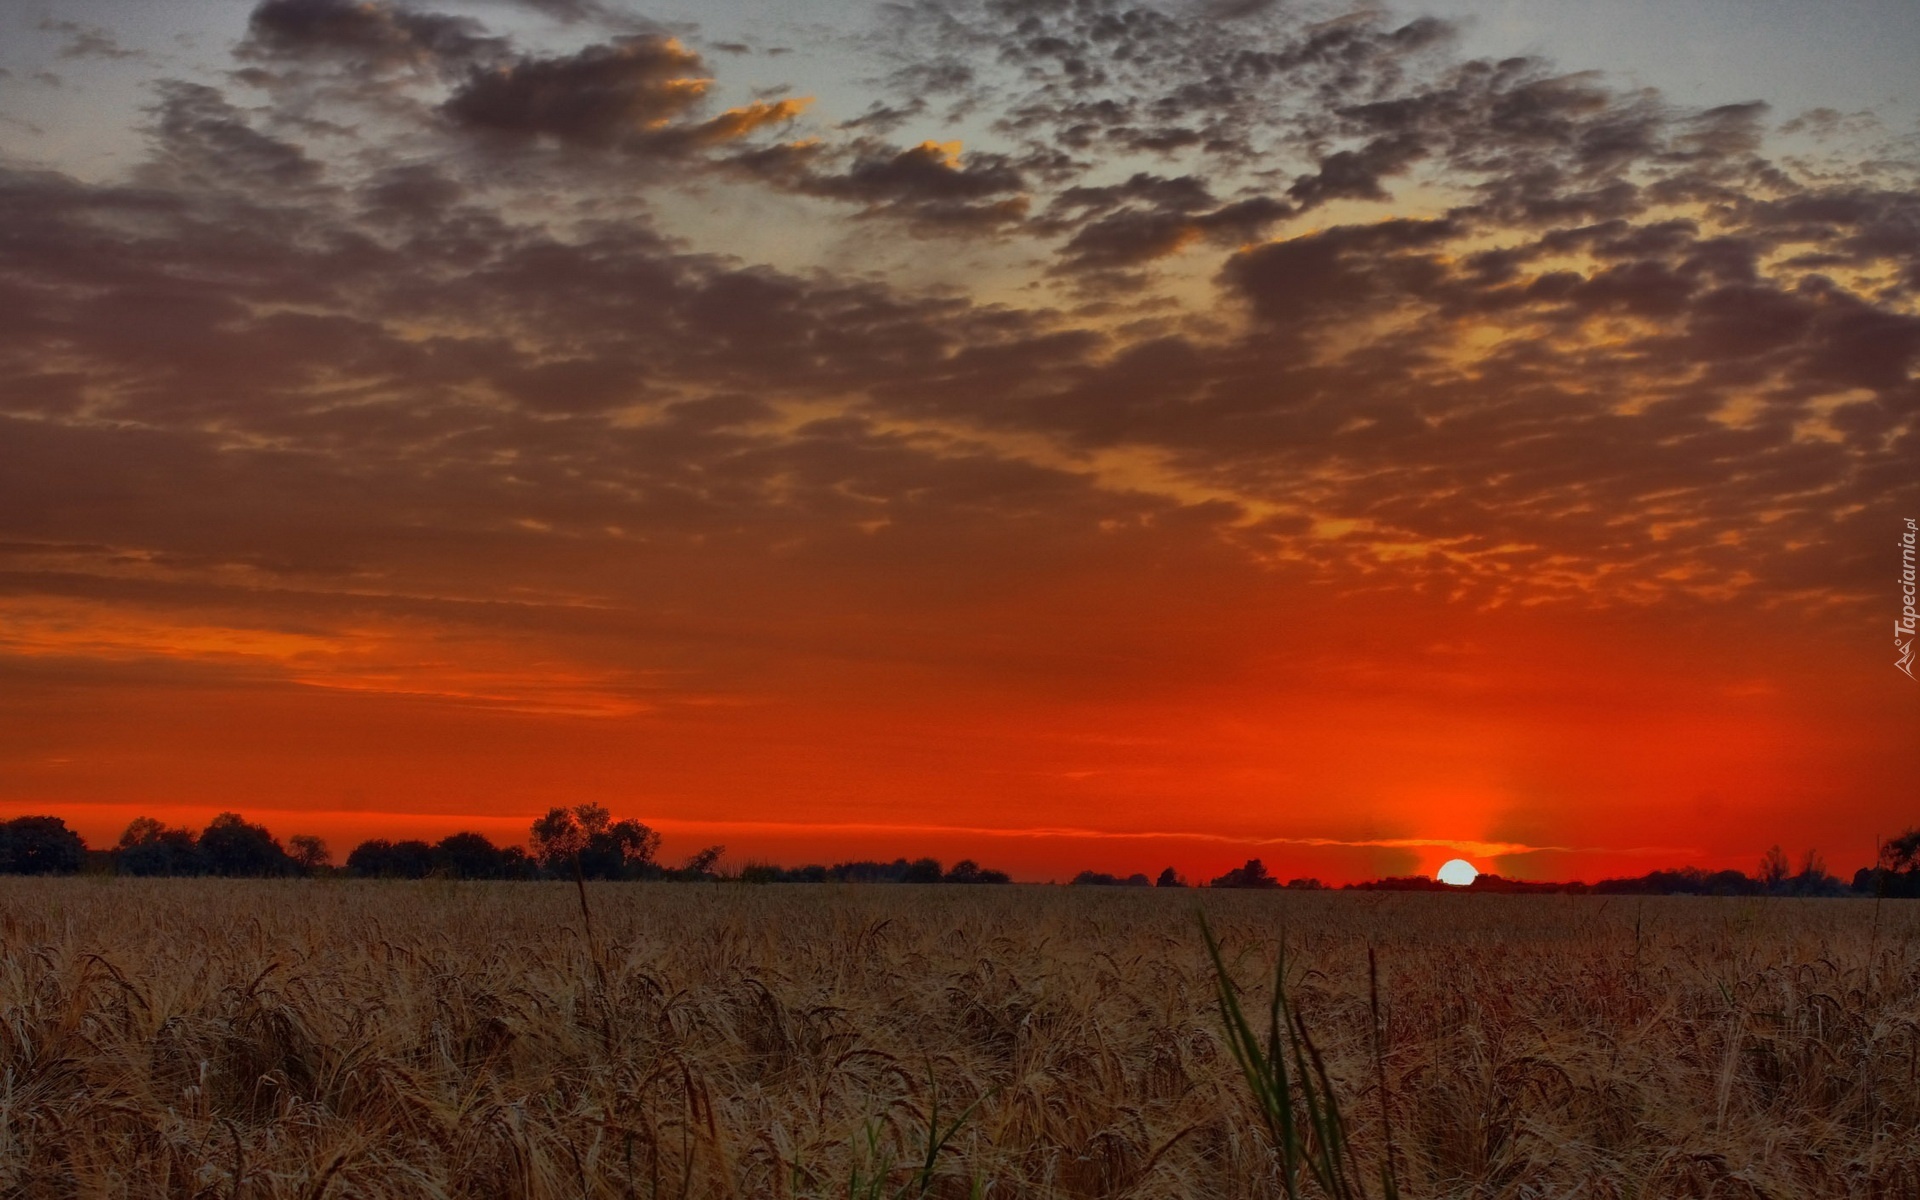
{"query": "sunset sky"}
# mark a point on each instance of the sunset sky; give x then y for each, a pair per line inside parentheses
(1055, 432)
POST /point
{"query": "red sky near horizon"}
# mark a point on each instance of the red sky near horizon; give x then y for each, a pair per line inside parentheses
(1097, 440)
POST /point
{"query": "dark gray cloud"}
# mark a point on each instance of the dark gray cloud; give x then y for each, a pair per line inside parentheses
(1331, 276)
(1133, 236)
(203, 141)
(365, 34)
(601, 95)
(884, 118)
(927, 186)
(641, 93)
(1359, 174)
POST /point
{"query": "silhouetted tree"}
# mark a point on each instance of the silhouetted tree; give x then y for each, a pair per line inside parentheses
(1902, 853)
(1170, 878)
(587, 840)
(700, 865)
(1252, 875)
(1680, 881)
(371, 858)
(516, 863)
(309, 852)
(379, 858)
(412, 858)
(467, 855)
(231, 846)
(1305, 885)
(151, 848)
(40, 846)
(560, 836)
(922, 870)
(622, 850)
(1897, 871)
(1774, 869)
(1812, 878)
(969, 871)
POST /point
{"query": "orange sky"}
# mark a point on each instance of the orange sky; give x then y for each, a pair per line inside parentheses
(1374, 456)
(1393, 738)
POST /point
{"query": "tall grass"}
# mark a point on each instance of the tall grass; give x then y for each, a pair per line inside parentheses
(1292, 1090)
(341, 1039)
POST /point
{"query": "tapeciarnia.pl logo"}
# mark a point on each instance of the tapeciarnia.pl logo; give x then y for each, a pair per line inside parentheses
(1903, 627)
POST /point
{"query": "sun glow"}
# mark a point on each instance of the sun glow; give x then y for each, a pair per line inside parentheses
(1457, 872)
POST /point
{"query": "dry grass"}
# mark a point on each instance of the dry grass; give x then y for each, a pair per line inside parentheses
(306, 1039)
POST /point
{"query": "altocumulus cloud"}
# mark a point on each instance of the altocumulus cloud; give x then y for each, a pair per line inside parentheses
(433, 319)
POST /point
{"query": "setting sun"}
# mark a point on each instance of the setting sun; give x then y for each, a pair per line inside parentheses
(1457, 871)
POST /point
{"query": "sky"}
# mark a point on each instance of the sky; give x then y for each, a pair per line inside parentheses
(1069, 434)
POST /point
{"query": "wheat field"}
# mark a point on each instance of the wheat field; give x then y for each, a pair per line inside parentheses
(332, 1038)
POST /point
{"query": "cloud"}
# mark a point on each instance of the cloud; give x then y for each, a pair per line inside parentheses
(640, 94)
(1358, 174)
(1332, 275)
(87, 41)
(1134, 236)
(1489, 333)
(600, 96)
(203, 141)
(928, 184)
(365, 33)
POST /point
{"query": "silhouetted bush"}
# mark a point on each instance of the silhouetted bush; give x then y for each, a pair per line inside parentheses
(1400, 883)
(1102, 879)
(703, 865)
(900, 870)
(1252, 875)
(969, 871)
(379, 858)
(922, 870)
(759, 872)
(868, 871)
(151, 848)
(463, 855)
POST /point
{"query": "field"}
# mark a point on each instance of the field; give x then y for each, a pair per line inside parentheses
(323, 1038)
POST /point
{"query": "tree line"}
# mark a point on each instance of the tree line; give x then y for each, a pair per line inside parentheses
(900, 870)
(587, 842)
(1895, 873)
(584, 842)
